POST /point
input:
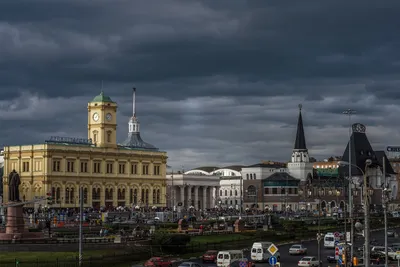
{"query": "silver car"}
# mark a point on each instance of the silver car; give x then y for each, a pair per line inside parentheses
(297, 249)
(189, 264)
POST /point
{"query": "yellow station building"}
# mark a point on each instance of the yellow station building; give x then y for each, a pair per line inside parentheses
(129, 174)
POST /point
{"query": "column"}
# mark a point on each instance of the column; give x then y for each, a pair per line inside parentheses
(189, 196)
(115, 196)
(173, 198)
(212, 196)
(196, 197)
(182, 199)
(205, 197)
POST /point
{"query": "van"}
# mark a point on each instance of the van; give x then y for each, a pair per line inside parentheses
(224, 258)
(259, 252)
(329, 240)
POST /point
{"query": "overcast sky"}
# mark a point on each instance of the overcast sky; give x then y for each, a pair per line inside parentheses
(218, 82)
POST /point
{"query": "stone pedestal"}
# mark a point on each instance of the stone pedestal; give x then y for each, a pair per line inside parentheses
(15, 227)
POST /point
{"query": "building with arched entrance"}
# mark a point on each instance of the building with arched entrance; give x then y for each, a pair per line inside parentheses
(111, 174)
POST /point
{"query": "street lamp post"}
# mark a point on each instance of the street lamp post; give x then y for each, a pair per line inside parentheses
(366, 195)
(350, 112)
(366, 189)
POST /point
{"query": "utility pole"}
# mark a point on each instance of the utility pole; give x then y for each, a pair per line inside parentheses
(367, 258)
(385, 201)
(350, 112)
(80, 225)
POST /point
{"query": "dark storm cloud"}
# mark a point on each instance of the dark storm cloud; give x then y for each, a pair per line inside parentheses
(217, 83)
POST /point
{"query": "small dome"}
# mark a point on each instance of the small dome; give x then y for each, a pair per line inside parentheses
(102, 98)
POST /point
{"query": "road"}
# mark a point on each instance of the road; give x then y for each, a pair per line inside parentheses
(312, 246)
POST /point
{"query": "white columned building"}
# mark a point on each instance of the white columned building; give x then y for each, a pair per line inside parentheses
(192, 191)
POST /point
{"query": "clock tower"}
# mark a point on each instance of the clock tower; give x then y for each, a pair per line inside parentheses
(102, 121)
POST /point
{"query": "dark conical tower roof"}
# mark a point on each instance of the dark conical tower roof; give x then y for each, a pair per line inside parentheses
(300, 143)
(361, 150)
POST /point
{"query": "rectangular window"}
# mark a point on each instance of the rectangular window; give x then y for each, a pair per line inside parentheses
(96, 167)
(145, 169)
(121, 168)
(38, 166)
(84, 166)
(274, 191)
(134, 168)
(25, 166)
(56, 165)
(109, 137)
(70, 166)
(109, 168)
(156, 170)
(266, 191)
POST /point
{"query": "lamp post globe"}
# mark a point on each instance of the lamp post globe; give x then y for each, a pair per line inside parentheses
(359, 226)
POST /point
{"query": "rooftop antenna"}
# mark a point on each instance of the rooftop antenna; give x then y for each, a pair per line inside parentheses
(134, 102)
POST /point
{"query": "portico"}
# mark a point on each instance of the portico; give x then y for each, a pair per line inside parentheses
(190, 190)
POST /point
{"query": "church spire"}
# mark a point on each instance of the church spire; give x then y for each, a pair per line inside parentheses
(300, 143)
(134, 122)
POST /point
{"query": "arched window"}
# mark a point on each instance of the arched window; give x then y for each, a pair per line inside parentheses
(254, 175)
(251, 191)
(131, 195)
(135, 196)
(96, 194)
(247, 176)
(226, 192)
(147, 196)
(85, 195)
(220, 192)
(95, 136)
(230, 193)
(58, 195)
(158, 196)
(154, 196)
(251, 176)
(142, 196)
(108, 136)
(236, 192)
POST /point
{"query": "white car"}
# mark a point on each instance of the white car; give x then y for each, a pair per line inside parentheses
(297, 249)
(308, 262)
(392, 255)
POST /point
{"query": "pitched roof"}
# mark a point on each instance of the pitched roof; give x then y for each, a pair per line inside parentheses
(234, 167)
(135, 141)
(361, 150)
(102, 98)
(388, 167)
(281, 176)
(300, 143)
(275, 165)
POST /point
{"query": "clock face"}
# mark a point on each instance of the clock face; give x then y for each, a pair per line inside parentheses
(359, 128)
(96, 116)
(108, 116)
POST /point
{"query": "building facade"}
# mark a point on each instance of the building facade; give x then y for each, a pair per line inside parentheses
(111, 174)
(192, 191)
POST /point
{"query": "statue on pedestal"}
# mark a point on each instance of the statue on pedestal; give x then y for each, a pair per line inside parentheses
(13, 184)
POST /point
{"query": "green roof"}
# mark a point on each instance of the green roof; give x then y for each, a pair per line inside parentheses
(102, 98)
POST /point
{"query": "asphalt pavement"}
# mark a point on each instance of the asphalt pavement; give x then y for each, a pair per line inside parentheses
(312, 248)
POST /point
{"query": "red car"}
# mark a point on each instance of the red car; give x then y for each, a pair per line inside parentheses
(158, 262)
(210, 256)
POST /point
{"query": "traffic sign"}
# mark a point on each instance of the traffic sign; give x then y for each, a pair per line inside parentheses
(339, 261)
(242, 264)
(272, 260)
(336, 243)
(340, 250)
(336, 253)
(336, 234)
(272, 249)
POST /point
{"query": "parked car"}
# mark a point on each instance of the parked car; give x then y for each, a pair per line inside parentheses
(331, 259)
(236, 263)
(159, 262)
(210, 256)
(189, 264)
(297, 249)
(308, 262)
